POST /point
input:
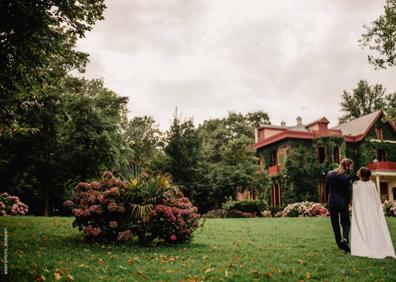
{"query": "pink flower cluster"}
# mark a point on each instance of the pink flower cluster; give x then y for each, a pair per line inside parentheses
(99, 208)
(304, 209)
(174, 220)
(11, 205)
(389, 208)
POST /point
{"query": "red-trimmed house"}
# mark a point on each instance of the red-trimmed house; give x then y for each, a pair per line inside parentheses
(369, 140)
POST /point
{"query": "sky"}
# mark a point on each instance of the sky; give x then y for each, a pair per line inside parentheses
(208, 57)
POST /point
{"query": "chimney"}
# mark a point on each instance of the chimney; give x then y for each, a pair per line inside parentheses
(299, 120)
(283, 123)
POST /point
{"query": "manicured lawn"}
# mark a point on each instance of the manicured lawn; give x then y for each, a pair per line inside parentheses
(279, 249)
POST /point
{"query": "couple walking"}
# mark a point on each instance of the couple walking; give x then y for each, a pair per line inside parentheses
(369, 235)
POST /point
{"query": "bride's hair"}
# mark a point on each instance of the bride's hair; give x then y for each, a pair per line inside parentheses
(364, 173)
(345, 166)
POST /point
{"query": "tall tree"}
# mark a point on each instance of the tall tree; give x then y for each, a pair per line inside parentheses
(145, 139)
(363, 100)
(380, 36)
(37, 39)
(183, 150)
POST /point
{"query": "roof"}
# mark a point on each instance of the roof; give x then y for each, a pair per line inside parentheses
(358, 126)
(353, 131)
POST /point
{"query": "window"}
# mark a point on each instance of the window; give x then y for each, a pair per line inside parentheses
(274, 159)
(322, 154)
(381, 155)
(336, 154)
(379, 133)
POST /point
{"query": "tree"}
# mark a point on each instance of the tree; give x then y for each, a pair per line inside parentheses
(37, 40)
(145, 139)
(228, 164)
(183, 151)
(363, 100)
(380, 36)
(79, 126)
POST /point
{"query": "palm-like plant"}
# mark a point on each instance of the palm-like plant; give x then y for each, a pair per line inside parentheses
(144, 192)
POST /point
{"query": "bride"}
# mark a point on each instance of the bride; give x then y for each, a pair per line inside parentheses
(369, 235)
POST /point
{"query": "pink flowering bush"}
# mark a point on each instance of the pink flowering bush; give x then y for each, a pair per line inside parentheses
(174, 220)
(99, 208)
(389, 208)
(145, 208)
(304, 209)
(11, 205)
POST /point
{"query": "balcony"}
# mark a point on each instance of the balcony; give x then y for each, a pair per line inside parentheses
(273, 170)
(382, 166)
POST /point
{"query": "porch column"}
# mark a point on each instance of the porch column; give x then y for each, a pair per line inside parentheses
(377, 180)
(390, 191)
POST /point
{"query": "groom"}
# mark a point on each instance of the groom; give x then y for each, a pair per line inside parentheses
(339, 196)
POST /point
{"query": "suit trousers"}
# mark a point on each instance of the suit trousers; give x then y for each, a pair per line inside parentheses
(336, 215)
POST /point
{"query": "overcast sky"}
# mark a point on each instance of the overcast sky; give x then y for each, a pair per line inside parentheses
(286, 58)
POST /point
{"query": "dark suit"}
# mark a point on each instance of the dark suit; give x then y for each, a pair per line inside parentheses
(339, 196)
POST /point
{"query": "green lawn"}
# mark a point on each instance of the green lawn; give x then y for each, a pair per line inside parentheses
(278, 249)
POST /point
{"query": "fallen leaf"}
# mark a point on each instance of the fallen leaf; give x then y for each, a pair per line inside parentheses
(100, 261)
(70, 277)
(57, 276)
(268, 274)
(131, 261)
(300, 261)
(308, 275)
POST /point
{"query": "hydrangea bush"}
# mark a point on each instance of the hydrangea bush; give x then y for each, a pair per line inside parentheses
(389, 208)
(303, 209)
(11, 205)
(144, 208)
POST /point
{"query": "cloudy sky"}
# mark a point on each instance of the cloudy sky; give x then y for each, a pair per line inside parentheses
(208, 57)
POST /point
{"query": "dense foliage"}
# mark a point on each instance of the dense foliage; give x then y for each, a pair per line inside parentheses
(37, 44)
(380, 37)
(366, 99)
(148, 208)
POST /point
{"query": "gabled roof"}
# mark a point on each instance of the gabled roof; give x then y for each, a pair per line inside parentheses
(359, 126)
(353, 131)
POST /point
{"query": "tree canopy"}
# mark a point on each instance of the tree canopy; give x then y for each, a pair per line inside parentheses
(364, 100)
(380, 37)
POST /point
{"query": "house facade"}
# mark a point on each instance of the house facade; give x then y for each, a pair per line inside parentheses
(369, 141)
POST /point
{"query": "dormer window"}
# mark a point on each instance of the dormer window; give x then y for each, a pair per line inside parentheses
(379, 133)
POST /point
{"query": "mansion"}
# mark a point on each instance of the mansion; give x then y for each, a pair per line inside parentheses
(369, 141)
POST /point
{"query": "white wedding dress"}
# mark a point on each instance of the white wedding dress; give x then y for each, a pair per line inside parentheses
(369, 235)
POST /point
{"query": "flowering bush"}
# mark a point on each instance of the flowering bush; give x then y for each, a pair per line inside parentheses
(11, 205)
(174, 220)
(304, 209)
(146, 208)
(389, 208)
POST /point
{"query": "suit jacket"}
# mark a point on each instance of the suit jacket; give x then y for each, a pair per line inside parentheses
(338, 189)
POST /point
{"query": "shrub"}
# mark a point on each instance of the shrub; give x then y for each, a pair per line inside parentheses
(389, 208)
(174, 220)
(246, 208)
(218, 213)
(250, 206)
(304, 209)
(11, 205)
(146, 208)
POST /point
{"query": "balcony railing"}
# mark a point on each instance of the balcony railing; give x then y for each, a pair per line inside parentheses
(274, 170)
(382, 166)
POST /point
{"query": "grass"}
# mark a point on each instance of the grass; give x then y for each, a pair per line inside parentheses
(277, 249)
